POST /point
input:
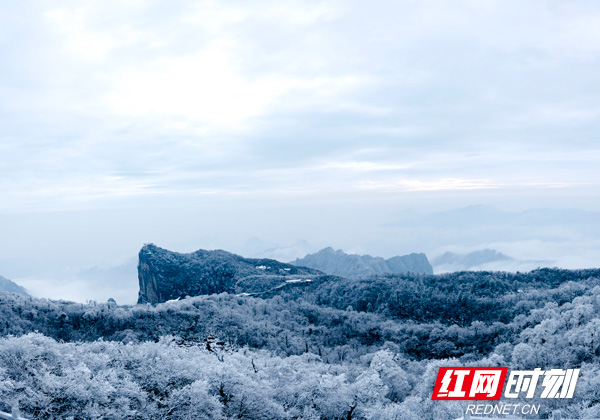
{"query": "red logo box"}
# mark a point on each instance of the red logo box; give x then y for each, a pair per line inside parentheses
(469, 383)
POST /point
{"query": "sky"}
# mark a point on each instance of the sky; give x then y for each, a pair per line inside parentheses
(276, 128)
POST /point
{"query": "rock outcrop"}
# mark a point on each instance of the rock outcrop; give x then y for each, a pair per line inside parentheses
(11, 287)
(165, 275)
(338, 263)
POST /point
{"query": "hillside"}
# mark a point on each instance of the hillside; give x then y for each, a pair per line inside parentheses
(9, 286)
(346, 349)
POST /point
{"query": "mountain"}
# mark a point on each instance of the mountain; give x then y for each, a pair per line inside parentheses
(9, 286)
(338, 263)
(472, 259)
(485, 216)
(556, 237)
(484, 259)
(165, 275)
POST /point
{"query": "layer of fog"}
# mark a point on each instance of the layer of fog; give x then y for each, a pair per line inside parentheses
(92, 255)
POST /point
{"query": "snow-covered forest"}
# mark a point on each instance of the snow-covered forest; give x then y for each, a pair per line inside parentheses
(351, 349)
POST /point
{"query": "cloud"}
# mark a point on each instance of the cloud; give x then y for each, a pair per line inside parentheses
(139, 88)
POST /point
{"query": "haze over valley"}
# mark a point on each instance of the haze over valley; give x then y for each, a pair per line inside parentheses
(59, 262)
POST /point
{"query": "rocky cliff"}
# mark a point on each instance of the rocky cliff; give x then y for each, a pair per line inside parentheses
(165, 275)
(338, 263)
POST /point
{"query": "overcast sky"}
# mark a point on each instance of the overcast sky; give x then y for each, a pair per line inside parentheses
(204, 124)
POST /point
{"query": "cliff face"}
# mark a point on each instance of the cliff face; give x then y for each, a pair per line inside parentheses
(165, 275)
(338, 263)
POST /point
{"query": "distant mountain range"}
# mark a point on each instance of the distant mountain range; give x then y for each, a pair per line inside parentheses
(10, 286)
(483, 259)
(486, 216)
(338, 263)
(165, 275)
(472, 259)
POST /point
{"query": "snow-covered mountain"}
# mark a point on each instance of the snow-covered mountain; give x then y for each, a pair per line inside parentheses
(10, 286)
(338, 263)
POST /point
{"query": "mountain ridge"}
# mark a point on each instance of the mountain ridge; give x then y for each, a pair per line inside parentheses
(166, 275)
(10, 286)
(471, 259)
(339, 263)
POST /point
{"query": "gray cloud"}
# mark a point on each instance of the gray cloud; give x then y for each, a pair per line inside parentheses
(143, 98)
